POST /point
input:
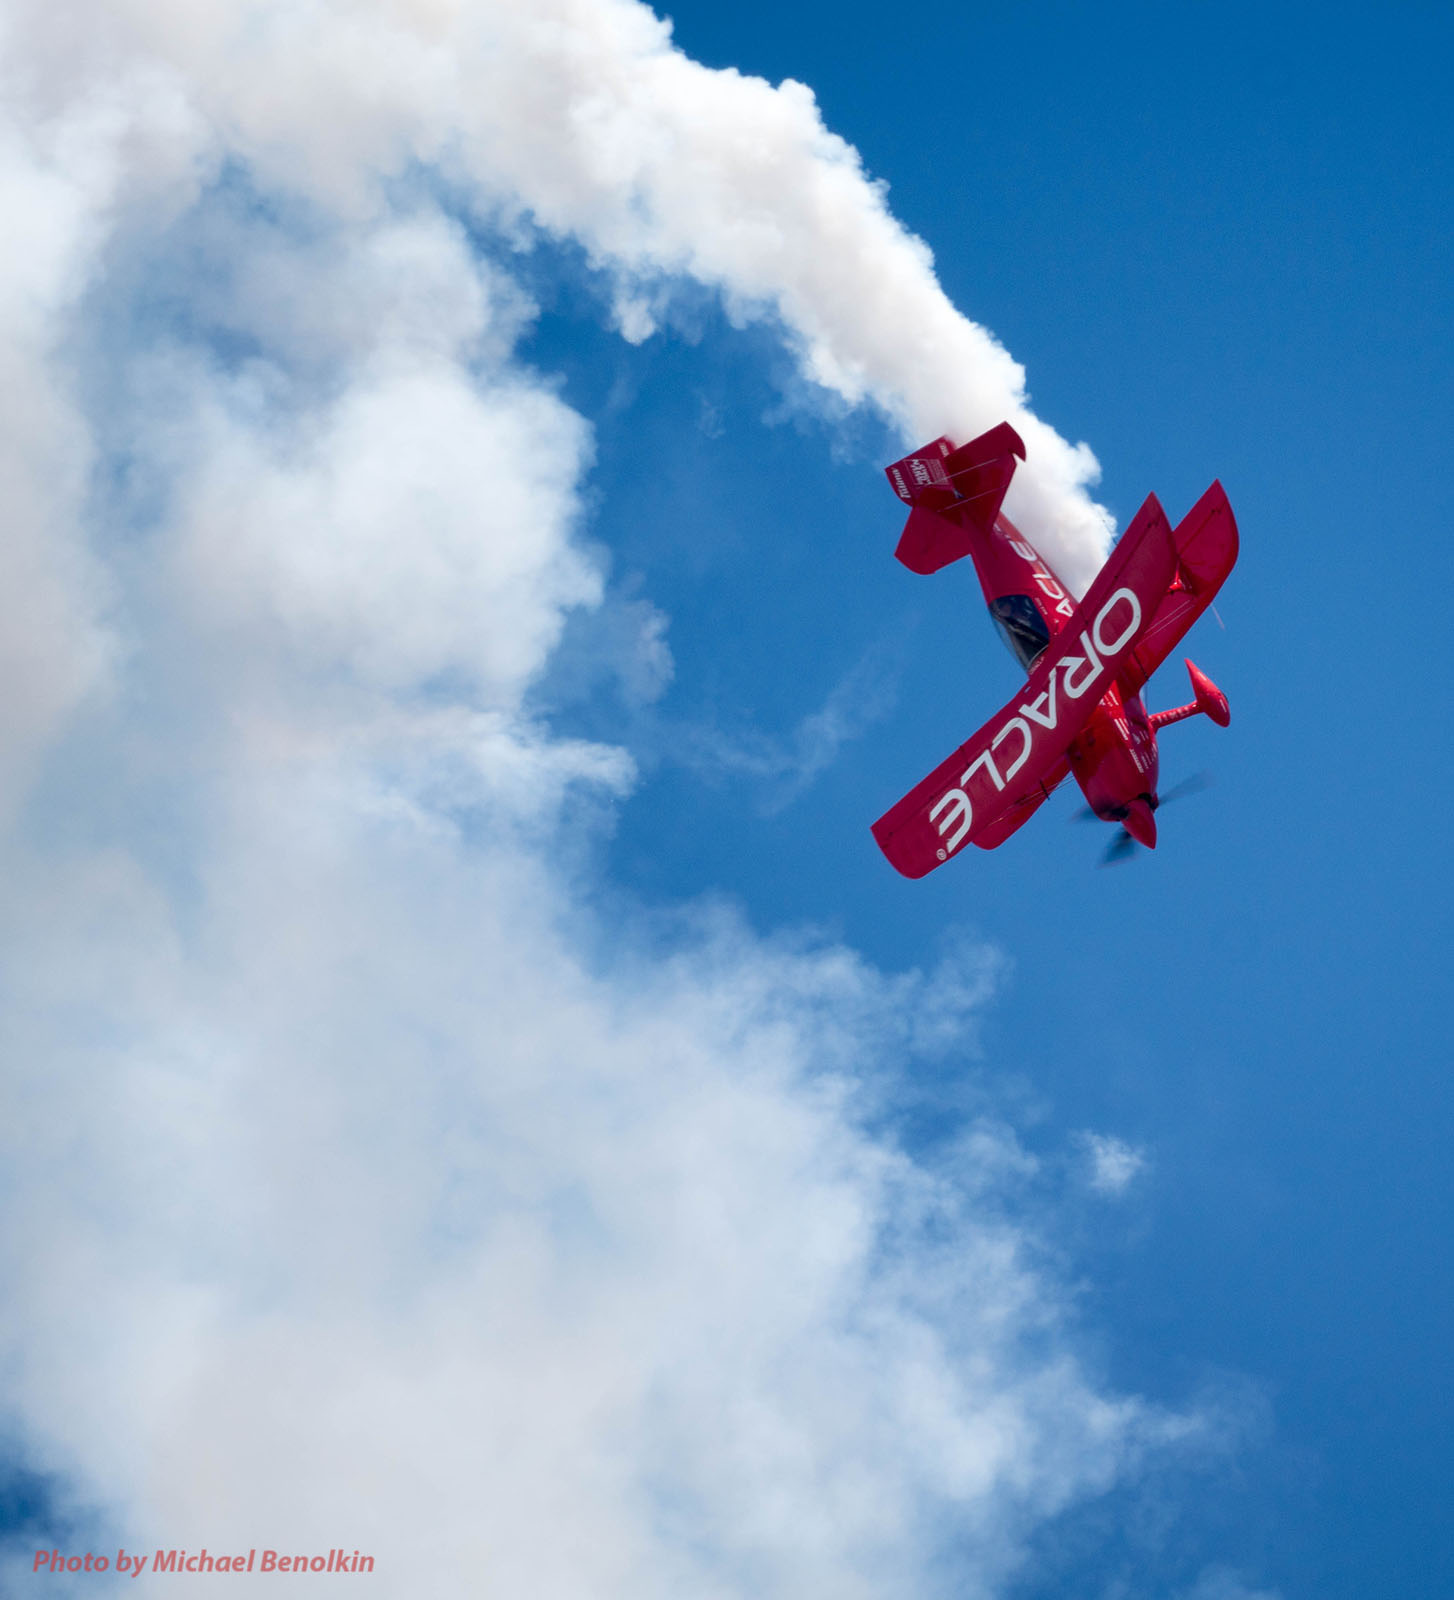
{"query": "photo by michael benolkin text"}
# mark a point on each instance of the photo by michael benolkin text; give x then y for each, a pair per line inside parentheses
(339, 1560)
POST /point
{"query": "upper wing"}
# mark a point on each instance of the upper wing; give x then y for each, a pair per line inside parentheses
(1206, 551)
(1015, 758)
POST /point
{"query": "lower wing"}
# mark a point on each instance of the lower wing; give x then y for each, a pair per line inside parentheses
(994, 834)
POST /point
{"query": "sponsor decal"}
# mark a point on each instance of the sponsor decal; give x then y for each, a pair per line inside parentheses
(958, 814)
(1045, 580)
(1010, 746)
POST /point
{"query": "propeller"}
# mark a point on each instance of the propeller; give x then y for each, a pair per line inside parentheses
(1123, 846)
(1192, 785)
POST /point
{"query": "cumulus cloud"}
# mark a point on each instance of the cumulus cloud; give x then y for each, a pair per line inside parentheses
(363, 1186)
(52, 647)
(437, 1243)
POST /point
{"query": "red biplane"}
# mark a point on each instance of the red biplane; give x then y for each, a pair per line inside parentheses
(1081, 710)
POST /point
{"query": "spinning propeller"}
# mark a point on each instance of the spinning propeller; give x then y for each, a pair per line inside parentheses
(1123, 845)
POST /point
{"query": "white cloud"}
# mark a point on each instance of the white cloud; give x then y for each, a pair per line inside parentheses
(364, 1211)
(1113, 1163)
(52, 648)
(1222, 1583)
(418, 527)
(362, 1184)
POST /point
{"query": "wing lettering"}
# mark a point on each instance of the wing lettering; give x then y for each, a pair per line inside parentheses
(1018, 756)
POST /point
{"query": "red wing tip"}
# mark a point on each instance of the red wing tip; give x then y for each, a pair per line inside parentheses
(883, 838)
(1214, 499)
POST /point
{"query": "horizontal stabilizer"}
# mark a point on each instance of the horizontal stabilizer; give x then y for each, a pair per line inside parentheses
(930, 542)
(953, 494)
(1209, 702)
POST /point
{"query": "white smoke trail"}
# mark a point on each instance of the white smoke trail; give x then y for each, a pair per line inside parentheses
(359, 1186)
(580, 114)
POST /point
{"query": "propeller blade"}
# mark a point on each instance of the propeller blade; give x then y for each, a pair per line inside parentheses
(1121, 848)
(1192, 785)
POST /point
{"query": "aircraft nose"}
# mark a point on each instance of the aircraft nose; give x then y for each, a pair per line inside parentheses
(1141, 824)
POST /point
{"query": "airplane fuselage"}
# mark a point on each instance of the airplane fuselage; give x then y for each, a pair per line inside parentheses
(1114, 758)
(1085, 660)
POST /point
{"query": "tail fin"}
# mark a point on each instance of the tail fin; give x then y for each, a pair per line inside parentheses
(952, 494)
(1210, 702)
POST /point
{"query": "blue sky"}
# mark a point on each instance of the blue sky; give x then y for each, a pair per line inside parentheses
(438, 816)
(1219, 243)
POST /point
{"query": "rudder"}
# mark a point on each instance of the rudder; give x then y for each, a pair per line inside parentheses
(953, 493)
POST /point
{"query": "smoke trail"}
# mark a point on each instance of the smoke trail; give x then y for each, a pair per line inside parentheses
(358, 1184)
(582, 116)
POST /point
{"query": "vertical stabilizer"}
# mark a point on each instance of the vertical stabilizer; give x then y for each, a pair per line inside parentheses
(953, 494)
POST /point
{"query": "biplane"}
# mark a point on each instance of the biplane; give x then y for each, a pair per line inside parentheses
(1080, 712)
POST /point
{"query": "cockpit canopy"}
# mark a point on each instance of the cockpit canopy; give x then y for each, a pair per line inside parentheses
(1021, 627)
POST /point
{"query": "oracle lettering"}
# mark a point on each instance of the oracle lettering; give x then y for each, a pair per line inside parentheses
(1053, 591)
(1046, 698)
(1024, 755)
(1090, 661)
(952, 813)
(983, 759)
(960, 811)
(1045, 580)
(986, 758)
(1109, 649)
